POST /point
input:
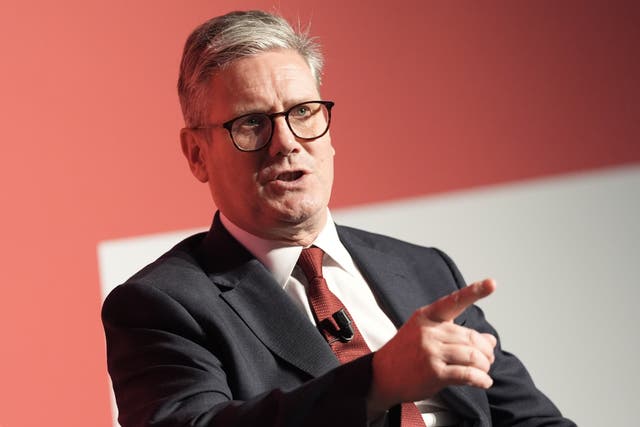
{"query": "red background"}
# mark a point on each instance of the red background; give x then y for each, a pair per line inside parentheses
(430, 97)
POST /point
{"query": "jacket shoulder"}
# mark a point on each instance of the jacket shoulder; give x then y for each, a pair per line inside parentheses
(413, 254)
(179, 264)
(383, 243)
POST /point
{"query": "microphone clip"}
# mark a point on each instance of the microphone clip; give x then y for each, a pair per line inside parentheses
(340, 327)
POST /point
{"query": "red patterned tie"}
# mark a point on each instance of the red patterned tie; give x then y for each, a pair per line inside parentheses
(334, 321)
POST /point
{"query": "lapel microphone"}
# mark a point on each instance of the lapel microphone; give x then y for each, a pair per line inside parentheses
(345, 331)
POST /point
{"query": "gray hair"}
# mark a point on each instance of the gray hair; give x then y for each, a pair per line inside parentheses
(223, 39)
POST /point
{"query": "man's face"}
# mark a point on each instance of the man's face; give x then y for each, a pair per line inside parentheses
(281, 191)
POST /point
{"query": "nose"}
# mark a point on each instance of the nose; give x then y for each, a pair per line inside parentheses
(283, 141)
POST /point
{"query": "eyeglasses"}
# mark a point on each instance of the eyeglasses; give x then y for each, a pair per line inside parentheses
(251, 132)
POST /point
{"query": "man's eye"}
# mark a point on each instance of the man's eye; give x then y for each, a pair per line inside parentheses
(255, 120)
(301, 111)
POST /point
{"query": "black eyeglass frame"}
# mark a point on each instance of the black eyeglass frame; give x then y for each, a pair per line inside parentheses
(228, 125)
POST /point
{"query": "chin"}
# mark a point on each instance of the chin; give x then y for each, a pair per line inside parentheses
(300, 211)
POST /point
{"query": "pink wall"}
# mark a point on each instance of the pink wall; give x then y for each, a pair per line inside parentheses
(431, 97)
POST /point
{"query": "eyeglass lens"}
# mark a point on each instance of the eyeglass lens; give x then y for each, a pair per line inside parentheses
(307, 121)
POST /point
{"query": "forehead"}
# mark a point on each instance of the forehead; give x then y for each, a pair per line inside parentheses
(267, 81)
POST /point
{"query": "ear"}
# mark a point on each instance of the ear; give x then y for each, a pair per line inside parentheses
(194, 148)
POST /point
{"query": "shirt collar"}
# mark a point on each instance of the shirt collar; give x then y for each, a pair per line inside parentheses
(280, 258)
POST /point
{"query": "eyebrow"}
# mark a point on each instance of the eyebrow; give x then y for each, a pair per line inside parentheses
(287, 105)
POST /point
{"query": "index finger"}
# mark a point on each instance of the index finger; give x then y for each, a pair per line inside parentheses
(451, 306)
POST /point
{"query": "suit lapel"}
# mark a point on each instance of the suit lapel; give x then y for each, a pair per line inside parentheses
(250, 289)
(386, 275)
(268, 311)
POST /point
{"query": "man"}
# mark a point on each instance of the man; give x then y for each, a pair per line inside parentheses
(276, 316)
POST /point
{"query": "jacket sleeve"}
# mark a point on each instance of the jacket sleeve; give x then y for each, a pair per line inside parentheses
(165, 374)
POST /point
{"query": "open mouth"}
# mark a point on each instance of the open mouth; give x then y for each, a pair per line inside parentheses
(289, 176)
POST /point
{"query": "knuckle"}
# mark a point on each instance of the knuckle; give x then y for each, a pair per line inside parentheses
(473, 356)
(467, 375)
(455, 297)
(439, 370)
(428, 336)
(430, 348)
(490, 339)
(472, 337)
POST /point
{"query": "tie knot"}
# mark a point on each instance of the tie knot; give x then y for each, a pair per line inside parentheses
(311, 262)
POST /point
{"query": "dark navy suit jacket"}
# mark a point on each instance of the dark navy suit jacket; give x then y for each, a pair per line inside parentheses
(205, 336)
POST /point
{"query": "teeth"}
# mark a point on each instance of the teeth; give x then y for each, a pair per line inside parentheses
(289, 176)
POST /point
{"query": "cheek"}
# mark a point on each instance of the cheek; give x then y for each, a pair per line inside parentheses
(328, 161)
(232, 172)
(325, 166)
